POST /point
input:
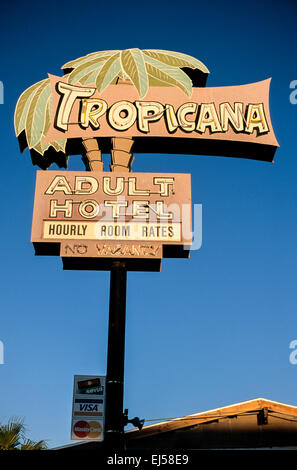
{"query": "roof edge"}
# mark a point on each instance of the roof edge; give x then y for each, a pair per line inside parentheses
(215, 413)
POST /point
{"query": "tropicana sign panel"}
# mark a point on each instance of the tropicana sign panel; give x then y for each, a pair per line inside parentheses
(155, 101)
(223, 118)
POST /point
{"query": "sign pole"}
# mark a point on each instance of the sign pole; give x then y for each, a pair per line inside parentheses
(114, 422)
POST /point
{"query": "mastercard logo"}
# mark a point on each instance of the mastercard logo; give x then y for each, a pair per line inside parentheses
(87, 429)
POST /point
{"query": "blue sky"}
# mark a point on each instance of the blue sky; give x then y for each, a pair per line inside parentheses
(205, 332)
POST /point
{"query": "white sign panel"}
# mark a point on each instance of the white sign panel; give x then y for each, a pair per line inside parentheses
(88, 408)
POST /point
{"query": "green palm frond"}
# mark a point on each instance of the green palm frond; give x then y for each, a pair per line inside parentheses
(143, 68)
(109, 71)
(33, 116)
(28, 444)
(176, 59)
(89, 57)
(11, 434)
(12, 437)
(133, 65)
(85, 69)
(168, 75)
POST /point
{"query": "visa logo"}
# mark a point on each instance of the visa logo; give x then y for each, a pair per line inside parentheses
(88, 407)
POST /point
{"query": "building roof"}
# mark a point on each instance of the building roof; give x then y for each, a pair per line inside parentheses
(195, 419)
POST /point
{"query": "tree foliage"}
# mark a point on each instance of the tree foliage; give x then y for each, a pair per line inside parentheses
(12, 437)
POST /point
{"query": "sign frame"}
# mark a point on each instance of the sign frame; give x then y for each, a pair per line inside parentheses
(163, 226)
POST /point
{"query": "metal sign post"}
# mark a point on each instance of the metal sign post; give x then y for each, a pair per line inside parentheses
(114, 422)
